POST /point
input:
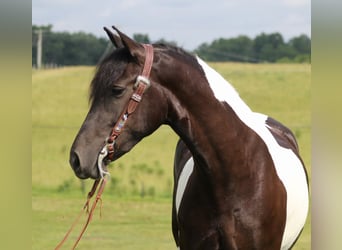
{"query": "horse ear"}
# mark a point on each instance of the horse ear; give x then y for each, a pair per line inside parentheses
(136, 49)
(116, 40)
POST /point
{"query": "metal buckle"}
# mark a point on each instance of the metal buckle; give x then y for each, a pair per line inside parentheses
(142, 79)
(102, 155)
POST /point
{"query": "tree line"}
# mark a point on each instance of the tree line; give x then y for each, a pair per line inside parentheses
(263, 48)
(64, 48)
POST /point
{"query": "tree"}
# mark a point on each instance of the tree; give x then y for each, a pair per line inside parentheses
(302, 44)
(63, 48)
(233, 49)
(269, 47)
(141, 38)
(163, 41)
(263, 48)
(204, 51)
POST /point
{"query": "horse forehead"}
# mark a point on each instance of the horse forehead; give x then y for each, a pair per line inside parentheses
(107, 74)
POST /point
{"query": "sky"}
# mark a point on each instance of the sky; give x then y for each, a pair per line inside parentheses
(188, 22)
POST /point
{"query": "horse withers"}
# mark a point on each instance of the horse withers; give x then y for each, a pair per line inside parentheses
(239, 182)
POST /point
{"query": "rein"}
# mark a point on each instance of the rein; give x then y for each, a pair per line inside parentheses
(140, 86)
(90, 213)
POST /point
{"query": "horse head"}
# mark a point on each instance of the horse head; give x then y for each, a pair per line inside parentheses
(111, 90)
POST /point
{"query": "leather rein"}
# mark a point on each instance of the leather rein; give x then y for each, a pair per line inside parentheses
(107, 152)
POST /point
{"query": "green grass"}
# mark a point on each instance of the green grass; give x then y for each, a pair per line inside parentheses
(124, 223)
(59, 106)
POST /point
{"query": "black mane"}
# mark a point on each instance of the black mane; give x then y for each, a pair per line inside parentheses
(179, 53)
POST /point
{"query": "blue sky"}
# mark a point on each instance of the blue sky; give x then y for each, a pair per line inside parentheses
(189, 23)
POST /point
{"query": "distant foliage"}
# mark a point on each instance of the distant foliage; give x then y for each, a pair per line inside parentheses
(64, 48)
(263, 48)
(141, 38)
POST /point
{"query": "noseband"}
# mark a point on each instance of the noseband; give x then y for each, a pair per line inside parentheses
(140, 86)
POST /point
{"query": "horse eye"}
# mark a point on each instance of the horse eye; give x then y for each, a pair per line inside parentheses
(117, 91)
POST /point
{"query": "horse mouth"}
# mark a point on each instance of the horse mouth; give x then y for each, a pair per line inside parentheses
(93, 173)
(102, 162)
(95, 170)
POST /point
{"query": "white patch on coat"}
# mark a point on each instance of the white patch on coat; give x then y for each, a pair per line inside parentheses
(183, 181)
(289, 168)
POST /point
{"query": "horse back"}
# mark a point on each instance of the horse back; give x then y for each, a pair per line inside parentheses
(285, 138)
(282, 134)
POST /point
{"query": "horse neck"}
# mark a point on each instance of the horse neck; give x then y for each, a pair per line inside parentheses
(207, 114)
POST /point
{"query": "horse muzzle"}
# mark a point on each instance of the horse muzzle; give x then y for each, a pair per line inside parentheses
(84, 170)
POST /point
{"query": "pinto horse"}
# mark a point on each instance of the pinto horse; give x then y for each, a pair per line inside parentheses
(239, 182)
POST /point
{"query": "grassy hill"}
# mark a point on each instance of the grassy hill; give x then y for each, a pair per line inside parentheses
(141, 181)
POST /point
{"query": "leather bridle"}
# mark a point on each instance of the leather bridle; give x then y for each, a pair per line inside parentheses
(140, 86)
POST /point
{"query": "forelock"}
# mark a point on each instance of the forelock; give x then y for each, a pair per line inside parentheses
(108, 71)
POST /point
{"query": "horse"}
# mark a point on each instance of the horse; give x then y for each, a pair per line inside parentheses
(239, 181)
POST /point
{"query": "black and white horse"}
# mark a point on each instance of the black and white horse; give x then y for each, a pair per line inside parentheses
(239, 182)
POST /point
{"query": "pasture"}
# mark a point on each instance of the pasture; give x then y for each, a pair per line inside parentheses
(136, 210)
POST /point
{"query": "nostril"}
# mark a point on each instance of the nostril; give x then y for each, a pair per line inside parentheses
(74, 160)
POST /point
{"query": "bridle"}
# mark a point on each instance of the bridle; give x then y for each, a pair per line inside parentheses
(141, 84)
(107, 153)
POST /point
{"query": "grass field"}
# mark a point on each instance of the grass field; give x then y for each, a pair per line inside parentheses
(136, 210)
